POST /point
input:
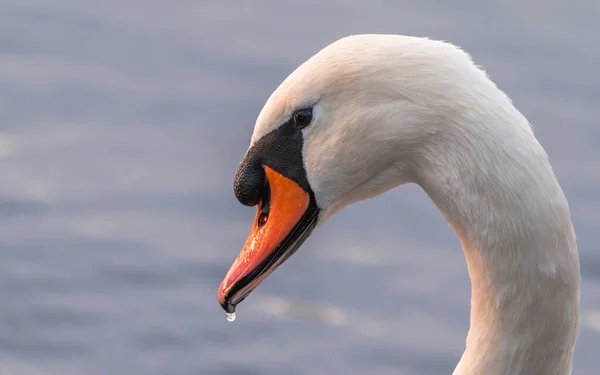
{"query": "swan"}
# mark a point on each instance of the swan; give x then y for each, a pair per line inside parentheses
(371, 112)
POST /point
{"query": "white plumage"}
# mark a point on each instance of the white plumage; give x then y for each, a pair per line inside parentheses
(392, 109)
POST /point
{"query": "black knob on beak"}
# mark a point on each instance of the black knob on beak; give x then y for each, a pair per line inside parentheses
(249, 183)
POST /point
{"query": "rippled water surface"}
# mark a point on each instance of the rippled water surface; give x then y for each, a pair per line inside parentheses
(122, 125)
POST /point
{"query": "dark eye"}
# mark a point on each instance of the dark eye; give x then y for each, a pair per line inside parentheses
(303, 117)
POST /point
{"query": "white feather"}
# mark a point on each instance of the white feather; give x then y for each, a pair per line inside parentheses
(392, 109)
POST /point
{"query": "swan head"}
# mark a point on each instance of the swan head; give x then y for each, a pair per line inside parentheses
(350, 123)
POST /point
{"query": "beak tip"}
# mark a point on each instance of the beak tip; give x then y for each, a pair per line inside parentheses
(227, 307)
(223, 301)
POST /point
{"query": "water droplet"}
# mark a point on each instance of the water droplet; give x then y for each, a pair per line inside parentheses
(230, 316)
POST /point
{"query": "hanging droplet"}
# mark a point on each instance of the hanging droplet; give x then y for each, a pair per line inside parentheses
(230, 316)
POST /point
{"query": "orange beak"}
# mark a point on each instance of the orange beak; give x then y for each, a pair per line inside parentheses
(284, 219)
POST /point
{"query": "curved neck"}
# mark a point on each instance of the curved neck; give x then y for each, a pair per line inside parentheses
(513, 221)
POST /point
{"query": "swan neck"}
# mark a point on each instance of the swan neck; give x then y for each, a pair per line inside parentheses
(521, 255)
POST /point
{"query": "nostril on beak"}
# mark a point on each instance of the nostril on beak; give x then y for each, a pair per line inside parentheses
(249, 184)
(265, 202)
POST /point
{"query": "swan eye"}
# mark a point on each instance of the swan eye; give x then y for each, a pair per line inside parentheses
(303, 117)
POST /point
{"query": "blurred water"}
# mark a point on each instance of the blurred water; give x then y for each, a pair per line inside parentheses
(122, 124)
